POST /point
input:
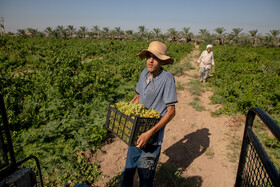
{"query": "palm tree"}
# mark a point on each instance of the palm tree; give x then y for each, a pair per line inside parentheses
(142, 31)
(48, 31)
(105, 32)
(157, 32)
(204, 33)
(186, 34)
(21, 32)
(162, 37)
(219, 31)
(83, 31)
(260, 39)
(253, 34)
(274, 34)
(96, 31)
(55, 34)
(150, 35)
(236, 32)
(268, 40)
(173, 34)
(64, 34)
(129, 34)
(60, 29)
(118, 32)
(40, 34)
(71, 30)
(32, 32)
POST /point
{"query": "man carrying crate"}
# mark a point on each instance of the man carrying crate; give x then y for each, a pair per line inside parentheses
(156, 90)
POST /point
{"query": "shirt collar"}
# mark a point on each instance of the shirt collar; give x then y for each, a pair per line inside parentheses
(160, 71)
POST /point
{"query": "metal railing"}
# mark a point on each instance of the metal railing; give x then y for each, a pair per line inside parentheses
(255, 167)
(6, 145)
(8, 163)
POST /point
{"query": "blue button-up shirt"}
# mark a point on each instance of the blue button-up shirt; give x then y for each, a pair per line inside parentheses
(159, 93)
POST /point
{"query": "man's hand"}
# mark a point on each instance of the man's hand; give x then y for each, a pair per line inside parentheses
(143, 139)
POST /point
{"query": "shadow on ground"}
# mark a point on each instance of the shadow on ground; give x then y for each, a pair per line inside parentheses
(181, 155)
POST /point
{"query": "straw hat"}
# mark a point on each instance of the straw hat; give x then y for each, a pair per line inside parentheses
(159, 50)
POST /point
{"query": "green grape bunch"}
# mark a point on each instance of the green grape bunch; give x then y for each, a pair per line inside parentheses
(136, 109)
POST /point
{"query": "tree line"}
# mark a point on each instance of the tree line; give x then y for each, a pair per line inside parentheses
(220, 37)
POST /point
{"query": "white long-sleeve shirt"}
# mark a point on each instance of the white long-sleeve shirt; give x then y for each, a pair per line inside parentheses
(206, 60)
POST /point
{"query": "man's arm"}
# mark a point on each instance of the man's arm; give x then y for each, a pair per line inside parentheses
(135, 99)
(200, 58)
(213, 63)
(143, 139)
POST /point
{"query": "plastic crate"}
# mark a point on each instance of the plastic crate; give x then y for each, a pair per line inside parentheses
(129, 128)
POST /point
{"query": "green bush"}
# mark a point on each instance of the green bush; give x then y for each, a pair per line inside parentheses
(246, 77)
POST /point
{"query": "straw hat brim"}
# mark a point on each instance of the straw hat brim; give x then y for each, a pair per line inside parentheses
(164, 58)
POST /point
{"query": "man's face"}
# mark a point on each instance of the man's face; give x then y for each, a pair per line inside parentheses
(208, 49)
(153, 63)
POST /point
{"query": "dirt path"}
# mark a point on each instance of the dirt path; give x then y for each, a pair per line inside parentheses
(202, 148)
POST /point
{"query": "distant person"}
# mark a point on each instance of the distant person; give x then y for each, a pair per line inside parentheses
(205, 62)
(156, 90)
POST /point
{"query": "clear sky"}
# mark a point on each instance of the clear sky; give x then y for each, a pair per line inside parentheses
(263, 15)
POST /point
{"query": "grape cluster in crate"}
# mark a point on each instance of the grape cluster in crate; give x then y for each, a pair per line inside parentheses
(129, 120)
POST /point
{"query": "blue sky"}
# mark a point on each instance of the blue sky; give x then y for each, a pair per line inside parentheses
(263, 15)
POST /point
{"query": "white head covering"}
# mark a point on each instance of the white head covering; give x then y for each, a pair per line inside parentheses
(209, 46)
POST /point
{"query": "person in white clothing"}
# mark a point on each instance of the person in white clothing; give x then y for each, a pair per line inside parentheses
(205, 62)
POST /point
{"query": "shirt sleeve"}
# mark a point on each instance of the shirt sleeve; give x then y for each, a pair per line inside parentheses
(213, 63)
(137, 89)
(170, 94)
(141, 79)
(199, 59)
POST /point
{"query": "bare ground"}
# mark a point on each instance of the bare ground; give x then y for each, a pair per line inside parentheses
(200, 146)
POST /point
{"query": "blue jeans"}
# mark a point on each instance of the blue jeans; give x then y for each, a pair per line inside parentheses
(145, 160)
